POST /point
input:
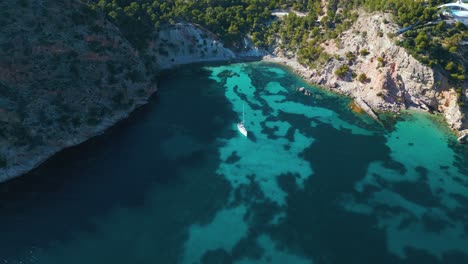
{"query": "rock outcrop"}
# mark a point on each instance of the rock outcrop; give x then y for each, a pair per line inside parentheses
(391, 78)
(187, 43)
(447, 104)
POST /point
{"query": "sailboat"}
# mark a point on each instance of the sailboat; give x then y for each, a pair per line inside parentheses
(241, 126)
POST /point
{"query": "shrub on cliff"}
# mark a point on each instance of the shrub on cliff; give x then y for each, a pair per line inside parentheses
(311, 55)
(350, 56)
(362, 77)
(342, 71)
(381, 62)
(364, 52)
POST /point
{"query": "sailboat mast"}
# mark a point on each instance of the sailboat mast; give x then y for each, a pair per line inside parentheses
(243, 113)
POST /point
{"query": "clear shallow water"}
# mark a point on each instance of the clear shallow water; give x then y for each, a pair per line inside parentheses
(313, 182)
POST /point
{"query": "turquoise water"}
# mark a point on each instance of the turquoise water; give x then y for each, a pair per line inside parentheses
(312, 183)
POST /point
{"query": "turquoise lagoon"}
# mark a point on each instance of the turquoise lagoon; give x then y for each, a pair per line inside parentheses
(312, 183)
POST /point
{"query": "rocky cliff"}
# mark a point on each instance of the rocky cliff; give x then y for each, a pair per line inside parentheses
(66, 74)
(393, 81)
(186, 43)
(380, 73)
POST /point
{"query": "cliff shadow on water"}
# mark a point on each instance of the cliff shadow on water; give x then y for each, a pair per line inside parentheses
(312, 183)
(142, 155)
(74, 185)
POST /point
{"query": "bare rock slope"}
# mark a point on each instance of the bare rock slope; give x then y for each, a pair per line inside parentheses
(186, 43)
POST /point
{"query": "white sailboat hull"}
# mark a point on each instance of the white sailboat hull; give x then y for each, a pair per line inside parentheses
(241, 128)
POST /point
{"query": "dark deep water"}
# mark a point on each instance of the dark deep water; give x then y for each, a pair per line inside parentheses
(177, 183)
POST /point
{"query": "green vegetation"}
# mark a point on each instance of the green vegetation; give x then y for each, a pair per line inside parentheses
(381, 62)
(305, 35)
(459, 92)
(439, 47)
(364, 52)
(350, 56)
(362, 77)
(230, 20)
(406, 12)
(435, 46)
(342, 71)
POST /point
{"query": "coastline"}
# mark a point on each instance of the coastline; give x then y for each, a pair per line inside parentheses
(367, 100)
(47, 152)
(43, 154)
(17, 170)
(304, 72)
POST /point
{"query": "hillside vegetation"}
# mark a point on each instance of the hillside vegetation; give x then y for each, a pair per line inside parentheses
(66, 73)
(437, 46)
(71, 68)
(230, 20)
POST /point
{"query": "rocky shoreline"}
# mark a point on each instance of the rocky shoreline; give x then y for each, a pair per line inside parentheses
(402, 82)
(25, 164)
(365, 106)
(393, 81)
(65, 78)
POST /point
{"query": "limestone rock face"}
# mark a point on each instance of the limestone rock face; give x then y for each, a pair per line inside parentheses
(449, 107)
(187, 43)
(395, 80)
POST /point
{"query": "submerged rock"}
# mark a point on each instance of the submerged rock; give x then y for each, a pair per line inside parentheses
(304, 91)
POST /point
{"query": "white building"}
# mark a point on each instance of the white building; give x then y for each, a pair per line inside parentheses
(457, 11)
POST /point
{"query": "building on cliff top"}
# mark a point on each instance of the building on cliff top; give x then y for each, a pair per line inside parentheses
(457, 11)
